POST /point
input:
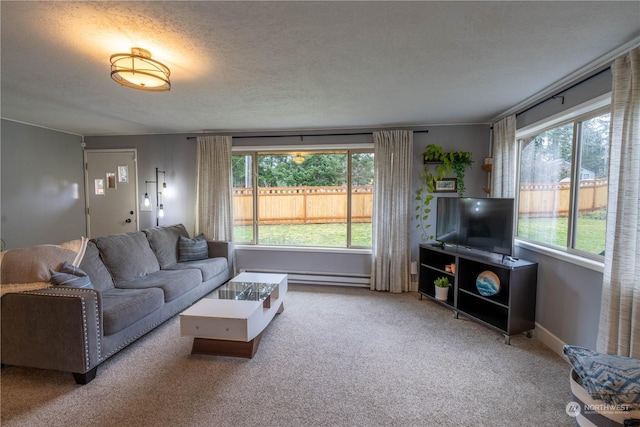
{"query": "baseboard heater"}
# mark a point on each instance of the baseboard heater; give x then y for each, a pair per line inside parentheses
(318, 278)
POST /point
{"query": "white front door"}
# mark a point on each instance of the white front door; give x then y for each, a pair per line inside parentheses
(111, 182)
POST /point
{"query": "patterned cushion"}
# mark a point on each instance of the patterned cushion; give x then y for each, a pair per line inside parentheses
(614, 379)
(192, 249)
(71, 277)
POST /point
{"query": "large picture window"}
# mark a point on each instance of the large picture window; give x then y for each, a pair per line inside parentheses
(313, 198)
(563, 184)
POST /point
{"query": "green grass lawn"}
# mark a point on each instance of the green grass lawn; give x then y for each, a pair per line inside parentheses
(329, 235)
(590, 236)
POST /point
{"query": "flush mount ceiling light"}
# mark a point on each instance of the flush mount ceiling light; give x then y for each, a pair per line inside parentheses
(137, 70)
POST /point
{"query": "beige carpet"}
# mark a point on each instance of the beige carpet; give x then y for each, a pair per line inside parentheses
(335, 357)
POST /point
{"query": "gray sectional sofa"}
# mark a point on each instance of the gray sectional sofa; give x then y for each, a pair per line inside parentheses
(138, 281)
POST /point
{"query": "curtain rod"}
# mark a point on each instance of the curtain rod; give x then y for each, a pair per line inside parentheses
(557, 95)
(302, 136)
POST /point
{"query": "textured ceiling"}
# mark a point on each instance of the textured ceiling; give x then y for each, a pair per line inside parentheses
(259, 66)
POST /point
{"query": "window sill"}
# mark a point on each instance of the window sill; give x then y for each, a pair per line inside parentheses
(561, 255)
(354, 251)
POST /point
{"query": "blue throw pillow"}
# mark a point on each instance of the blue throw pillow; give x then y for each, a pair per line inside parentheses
(192, 249)
(71, 277)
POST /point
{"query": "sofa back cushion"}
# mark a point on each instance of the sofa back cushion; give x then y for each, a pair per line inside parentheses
(96, 270)
(127, 255)
(164, 242)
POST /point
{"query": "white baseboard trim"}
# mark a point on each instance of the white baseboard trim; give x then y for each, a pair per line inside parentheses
(547, 338)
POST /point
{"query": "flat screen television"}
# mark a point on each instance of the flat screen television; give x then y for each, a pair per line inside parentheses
(477, 223)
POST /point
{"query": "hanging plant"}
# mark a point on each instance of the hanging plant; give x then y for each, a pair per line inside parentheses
(457, 162)
(437, 165)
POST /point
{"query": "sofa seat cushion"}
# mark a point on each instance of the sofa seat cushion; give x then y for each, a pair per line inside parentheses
(172, 283)
(127, 255)
(209, 267)
(164, 242)
(124, 307)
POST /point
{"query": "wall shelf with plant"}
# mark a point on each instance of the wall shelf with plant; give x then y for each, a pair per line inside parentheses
(437, 164)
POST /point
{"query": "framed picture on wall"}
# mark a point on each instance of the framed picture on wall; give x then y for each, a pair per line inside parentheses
(446, 185)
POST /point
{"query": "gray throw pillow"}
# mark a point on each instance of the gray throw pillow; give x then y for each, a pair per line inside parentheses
(71, 277)
(192, 249)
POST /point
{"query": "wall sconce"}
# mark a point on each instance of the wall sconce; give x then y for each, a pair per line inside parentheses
(159, 204)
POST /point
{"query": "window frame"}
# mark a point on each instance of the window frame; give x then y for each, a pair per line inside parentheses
(255, 151)
(576, 115)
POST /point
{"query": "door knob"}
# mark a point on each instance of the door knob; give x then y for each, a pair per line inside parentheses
(130, 212)
(128, 220)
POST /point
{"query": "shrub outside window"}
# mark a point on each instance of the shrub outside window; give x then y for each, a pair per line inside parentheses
(312, 198)
(563, 185)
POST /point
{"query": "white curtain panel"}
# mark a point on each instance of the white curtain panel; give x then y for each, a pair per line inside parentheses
(619, 331)
(503, 178)
(393, 151)
(214, 207)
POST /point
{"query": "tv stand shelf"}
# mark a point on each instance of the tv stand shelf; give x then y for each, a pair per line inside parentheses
(511, 311)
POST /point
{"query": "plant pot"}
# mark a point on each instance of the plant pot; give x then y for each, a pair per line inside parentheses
(442, 293)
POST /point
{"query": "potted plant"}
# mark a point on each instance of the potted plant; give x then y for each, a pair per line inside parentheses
(442, 288)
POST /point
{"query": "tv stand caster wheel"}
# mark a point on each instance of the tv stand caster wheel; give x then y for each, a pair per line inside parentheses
(507, 340)
(529, 334)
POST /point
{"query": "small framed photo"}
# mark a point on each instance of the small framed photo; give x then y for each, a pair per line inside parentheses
(446, 185)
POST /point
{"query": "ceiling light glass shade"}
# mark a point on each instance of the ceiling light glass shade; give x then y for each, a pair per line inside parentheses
(298, 159)
(147, 202)
(161, 211)
(137, 70)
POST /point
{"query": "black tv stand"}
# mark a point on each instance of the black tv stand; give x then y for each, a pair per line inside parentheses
(512, 311)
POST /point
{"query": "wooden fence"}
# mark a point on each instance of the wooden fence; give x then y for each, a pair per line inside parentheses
(303, 205)
(316, 205)
(552, 199)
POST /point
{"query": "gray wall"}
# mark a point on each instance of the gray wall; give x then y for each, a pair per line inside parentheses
(43, 197)
(580, 93)
(173, 154)
(568, 299)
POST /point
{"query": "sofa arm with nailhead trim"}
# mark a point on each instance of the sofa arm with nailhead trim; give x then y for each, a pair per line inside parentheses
(57, 328)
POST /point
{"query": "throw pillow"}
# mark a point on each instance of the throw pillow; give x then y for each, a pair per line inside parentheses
(192, 249)
(70, 276)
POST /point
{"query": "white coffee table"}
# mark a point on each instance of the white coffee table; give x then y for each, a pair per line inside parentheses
(232, 321)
